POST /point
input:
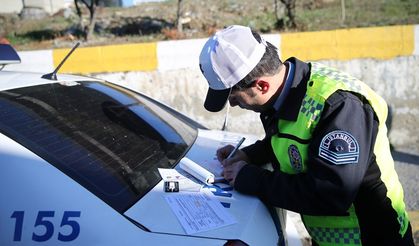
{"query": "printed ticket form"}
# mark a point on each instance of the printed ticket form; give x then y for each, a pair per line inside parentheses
(198, 211)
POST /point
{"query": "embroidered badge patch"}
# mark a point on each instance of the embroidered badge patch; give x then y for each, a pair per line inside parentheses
(295, 158)
(339, 147)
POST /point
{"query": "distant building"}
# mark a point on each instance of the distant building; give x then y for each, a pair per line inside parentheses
(52, 6)
(49, 6)
(127, 3)
(136, 2)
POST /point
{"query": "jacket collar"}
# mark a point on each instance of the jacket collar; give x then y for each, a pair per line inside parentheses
(290, 106)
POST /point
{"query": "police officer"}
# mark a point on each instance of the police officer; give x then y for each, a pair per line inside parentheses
(326, 139)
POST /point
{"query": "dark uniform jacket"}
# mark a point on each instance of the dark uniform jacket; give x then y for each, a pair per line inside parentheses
(324, 189)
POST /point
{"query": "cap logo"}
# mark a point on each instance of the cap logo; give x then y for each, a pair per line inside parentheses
(339, 147)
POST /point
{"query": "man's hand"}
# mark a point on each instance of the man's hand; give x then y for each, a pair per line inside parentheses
(232, 165)
(223, 152)
(231, 170)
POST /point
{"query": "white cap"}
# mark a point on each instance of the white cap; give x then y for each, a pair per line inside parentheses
(226, 58)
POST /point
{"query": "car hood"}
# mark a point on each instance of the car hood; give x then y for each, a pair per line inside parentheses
(253, 218)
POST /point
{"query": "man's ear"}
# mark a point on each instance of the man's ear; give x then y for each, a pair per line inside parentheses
(262, 85)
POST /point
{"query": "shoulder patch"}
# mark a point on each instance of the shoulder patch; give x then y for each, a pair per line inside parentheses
(339, 147)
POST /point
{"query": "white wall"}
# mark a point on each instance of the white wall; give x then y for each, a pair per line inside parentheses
(396, 80)
(15, 6)
(10, 6)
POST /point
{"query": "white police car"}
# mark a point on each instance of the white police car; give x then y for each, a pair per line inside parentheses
(79, 161)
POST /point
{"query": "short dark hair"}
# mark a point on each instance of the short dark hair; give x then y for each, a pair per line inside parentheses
(269, 64)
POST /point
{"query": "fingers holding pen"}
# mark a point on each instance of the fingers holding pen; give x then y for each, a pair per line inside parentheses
(229, 151)
(238, 156)
(230, 161)
(224, 152)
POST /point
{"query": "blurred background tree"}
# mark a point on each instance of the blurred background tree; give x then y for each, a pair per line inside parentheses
(91, 6)
(123, 21)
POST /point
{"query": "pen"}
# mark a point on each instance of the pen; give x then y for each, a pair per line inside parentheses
(236, 148)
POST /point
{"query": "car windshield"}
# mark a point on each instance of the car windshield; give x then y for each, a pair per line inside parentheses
(109, 139)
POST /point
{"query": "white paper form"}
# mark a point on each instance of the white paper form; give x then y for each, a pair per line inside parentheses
(198, 212)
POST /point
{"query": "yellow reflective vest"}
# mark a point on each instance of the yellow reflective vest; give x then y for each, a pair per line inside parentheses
(323, 82)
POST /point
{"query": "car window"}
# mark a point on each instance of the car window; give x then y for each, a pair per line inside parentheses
(109, 139)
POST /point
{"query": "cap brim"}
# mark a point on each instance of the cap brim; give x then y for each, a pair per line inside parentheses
(216, 99)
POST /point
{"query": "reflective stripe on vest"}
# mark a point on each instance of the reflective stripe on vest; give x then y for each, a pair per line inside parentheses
(334, 230)
(294, 138)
